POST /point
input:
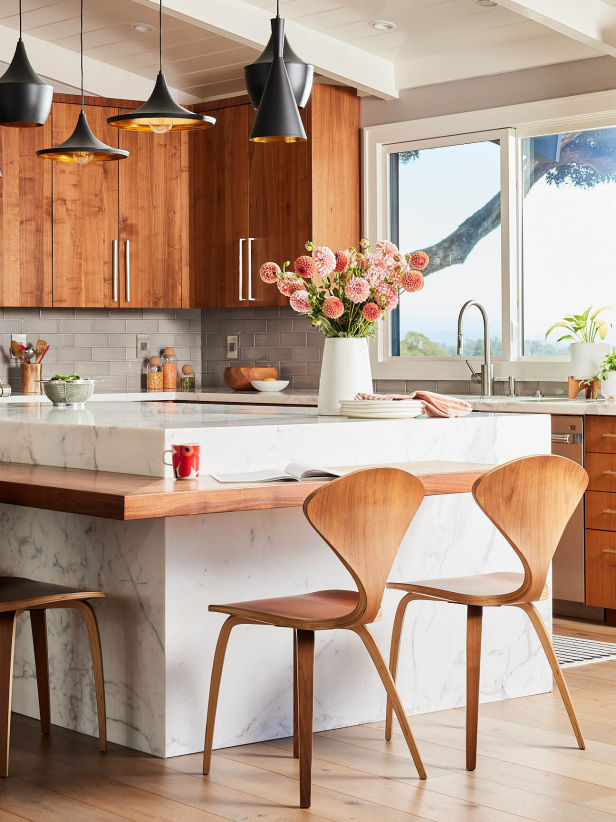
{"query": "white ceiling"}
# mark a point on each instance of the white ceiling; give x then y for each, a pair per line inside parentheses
(206, 43)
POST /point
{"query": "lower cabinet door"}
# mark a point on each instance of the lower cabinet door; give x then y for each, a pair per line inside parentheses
(601, 568)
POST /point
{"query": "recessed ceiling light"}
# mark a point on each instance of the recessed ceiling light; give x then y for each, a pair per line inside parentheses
(489, 4)
(143, 27)
(383, 25)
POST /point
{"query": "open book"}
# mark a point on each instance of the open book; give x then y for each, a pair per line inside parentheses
(293, 472)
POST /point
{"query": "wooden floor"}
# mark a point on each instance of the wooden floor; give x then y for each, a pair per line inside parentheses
(528, 768)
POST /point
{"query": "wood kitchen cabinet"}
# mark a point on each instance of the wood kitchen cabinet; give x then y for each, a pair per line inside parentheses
(255, 202)
(600, 510)
(25, 218)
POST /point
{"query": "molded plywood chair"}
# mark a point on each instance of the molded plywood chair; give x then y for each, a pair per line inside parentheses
(530, 500)
(17, 595)
(363, 518)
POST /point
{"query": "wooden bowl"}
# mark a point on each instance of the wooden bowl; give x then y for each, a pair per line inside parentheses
(239, 378)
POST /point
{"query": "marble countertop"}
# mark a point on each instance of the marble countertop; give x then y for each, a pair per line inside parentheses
(215, 395)
(541, 405)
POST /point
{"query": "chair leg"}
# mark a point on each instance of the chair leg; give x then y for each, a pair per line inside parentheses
(219, 659)
(97, 665)
(8, 621)
(473, 667)
(393, 656)
(546, 642)
(305, 700)
(295, 705)
(38, 622)
(379, 663)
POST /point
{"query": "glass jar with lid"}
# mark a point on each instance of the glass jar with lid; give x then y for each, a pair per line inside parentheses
(154, 374)
(170, 370)
(187, 378)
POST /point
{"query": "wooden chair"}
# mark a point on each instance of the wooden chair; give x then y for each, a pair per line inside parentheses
(17, 595)
(530, 500)
(363, 518)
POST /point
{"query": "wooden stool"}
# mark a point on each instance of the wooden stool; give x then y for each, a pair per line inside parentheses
(363, 518)
(16, 596)
(530, 500)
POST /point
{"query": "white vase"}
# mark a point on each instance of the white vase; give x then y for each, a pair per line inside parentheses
(608, 385)
(586, 358)
(345, 371)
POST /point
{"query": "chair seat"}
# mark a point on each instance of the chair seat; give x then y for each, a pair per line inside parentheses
(19, 592)
(303, 611)
(481, 589)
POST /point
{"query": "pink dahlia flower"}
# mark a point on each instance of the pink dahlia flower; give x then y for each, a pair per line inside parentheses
(306, 267)
(398, 272)
(357, 289)
(269, 272)
(419, 260)
(385, 249)
(325, 259)
(288, 286)
(300, 302)
(390, 295)
(342, 260)
(413, 281)
(333, 308)
(371, 312)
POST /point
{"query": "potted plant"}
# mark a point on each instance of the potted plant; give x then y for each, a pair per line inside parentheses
(346, 294)
(607, 375)
(586, 352)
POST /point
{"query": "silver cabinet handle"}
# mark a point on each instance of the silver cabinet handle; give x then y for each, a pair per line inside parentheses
(609, 551)
(241, 269)
(608, 511)
(114, 296)
(609, 435)
(566, 439)
(128, 271)
(250, 297)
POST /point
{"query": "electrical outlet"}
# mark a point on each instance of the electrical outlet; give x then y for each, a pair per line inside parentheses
(143, 346)
(232, 348)
(19, 338)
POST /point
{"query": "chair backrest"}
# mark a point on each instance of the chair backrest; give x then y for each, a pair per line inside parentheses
(530, 500)
(363, 517)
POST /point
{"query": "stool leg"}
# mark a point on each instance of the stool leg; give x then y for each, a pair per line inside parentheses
(305, 688)
(473, 667)
(393, 656)
(295, 705)
(546, 642)
(38, 622)
(8, 620)
(97, 665)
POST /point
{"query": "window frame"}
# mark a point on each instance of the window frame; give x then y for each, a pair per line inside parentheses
(585, 112)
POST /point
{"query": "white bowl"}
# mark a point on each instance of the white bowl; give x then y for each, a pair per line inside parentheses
(273, 385)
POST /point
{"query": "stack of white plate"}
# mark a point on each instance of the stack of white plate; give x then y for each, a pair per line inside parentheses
(381, 409)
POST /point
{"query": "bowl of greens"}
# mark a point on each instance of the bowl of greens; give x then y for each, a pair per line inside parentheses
(71, 390)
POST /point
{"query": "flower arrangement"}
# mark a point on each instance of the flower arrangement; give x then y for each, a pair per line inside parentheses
(347, 292)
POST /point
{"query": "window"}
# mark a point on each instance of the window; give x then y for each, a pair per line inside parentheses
(568, 185)
(445, 199)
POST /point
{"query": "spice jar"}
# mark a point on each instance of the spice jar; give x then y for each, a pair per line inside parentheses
(170, 370)
(154, 373)
(187, 378)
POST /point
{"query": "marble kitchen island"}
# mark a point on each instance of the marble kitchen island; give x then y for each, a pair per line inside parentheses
(161, 572)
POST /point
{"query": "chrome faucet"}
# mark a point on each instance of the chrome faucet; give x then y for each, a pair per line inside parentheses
(485, 378)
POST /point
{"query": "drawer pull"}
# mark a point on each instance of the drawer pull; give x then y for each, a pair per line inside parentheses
(607, 471)
(609, 551)
(608, 511)
(609, 435)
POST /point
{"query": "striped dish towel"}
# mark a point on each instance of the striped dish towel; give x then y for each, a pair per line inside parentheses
(435, 405)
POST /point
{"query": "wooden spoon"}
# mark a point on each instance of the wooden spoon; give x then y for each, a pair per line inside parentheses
(39, 350)
(17, 352)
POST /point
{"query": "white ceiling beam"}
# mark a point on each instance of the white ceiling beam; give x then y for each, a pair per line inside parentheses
(591, 22)
(62, 65)
(250, 25)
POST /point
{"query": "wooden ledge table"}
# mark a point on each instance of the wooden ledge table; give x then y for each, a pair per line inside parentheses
(133, 497)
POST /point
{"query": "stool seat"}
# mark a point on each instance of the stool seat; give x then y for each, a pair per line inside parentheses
(480, 589)
(18, 592)
(303, 611)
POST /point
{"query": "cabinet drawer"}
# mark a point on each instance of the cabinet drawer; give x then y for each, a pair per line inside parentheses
(601, 568)
(600, 508)
(601, 471)
(601, 434)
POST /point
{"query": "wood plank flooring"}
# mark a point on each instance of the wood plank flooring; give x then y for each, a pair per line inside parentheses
(528, 768)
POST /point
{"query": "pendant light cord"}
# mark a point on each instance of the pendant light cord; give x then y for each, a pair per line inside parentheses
(81, 47)
(160, 30)
(277, 8)
(20, 19)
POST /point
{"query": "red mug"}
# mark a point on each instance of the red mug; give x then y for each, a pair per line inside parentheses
(185, 460)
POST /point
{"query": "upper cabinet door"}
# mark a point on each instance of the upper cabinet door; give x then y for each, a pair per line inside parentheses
(25, 218)
(280, 198)
(151, 218)
(85, 217)
(221, 210)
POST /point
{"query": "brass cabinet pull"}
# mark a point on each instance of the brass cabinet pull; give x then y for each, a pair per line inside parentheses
(609, 551)
(607, 471)
(608, 511)
(609, 435)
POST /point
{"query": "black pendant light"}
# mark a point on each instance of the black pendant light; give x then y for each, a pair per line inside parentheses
(25, 99)
(161, 113)
(278, 119)
(300, 73)
(82, 146)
